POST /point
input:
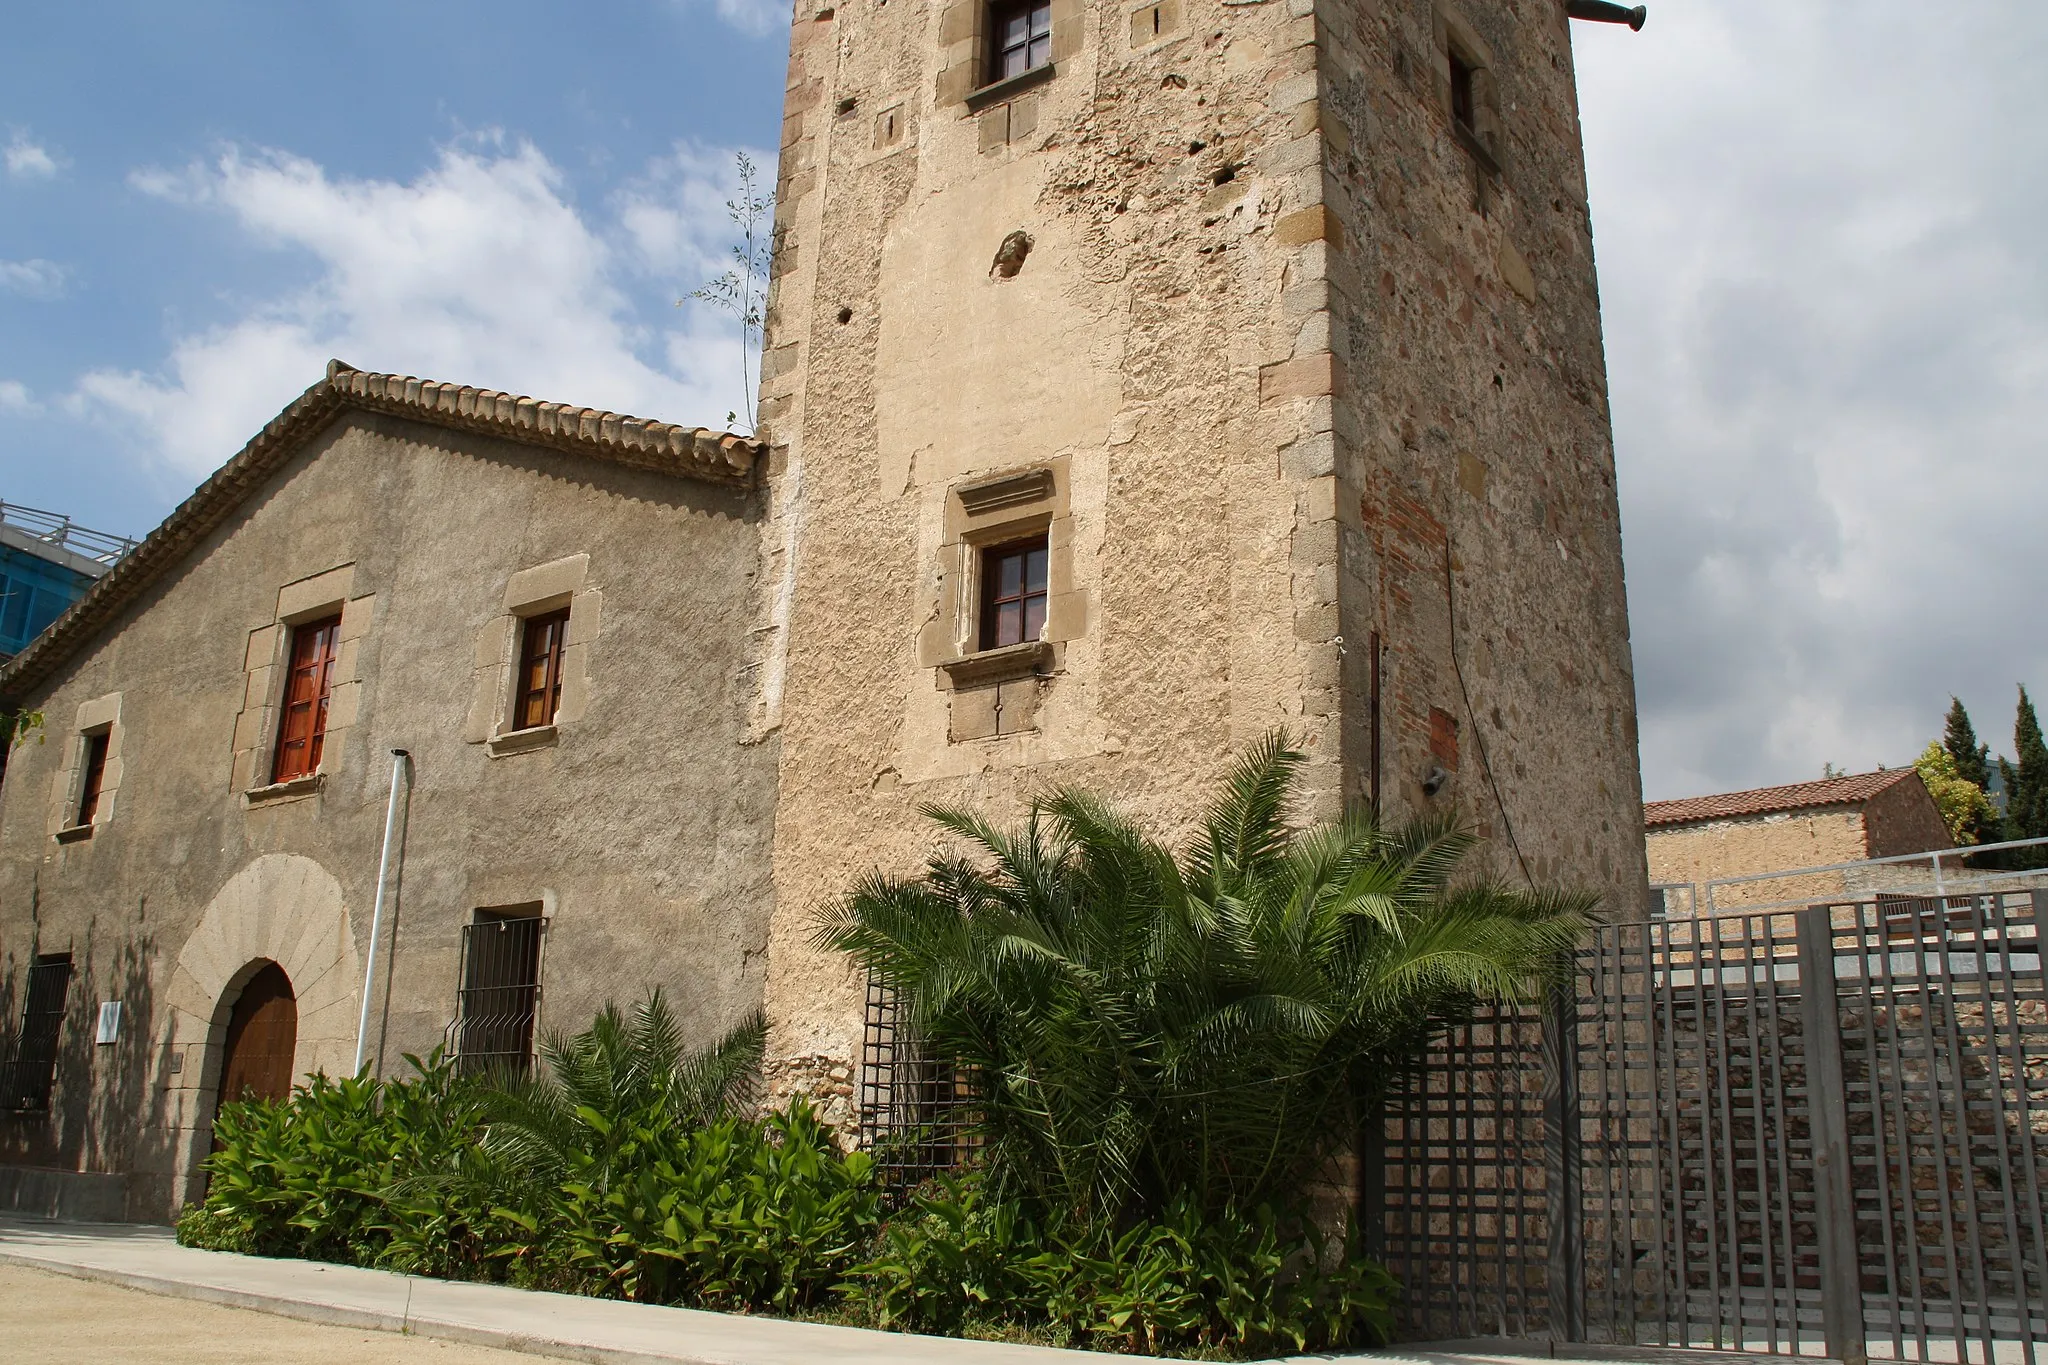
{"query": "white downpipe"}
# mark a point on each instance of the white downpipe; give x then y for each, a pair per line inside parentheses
(400, 769)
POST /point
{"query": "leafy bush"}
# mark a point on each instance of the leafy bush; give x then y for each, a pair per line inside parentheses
(322, 1174)
(1229, 1284)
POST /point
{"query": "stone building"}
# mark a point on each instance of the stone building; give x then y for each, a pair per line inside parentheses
(1847, 819)
(544, 606)
(1139, 378)
(1271, 328)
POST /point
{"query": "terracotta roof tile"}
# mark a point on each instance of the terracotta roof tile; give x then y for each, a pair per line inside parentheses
(1830, 791)
(686, 452)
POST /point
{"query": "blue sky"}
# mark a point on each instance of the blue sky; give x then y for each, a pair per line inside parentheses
(1818, 228)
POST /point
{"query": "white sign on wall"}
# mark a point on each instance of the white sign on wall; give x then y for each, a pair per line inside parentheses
(110, 1021)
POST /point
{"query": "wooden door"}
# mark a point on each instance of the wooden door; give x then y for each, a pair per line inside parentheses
(262, 1033)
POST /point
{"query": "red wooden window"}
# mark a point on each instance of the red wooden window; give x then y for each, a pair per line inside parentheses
(306, 689)
(540, 670)
(95, 777)
(1022, 34)
(1013, 592)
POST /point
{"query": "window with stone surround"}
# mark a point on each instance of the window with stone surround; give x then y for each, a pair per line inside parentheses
(1020, 38)
(86, 786)
(301, 690)
(1014, 579)
(308, 688)
(532, 674)
(1467, 87)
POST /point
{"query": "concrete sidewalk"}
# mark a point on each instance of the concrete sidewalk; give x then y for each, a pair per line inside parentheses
(563, 1326)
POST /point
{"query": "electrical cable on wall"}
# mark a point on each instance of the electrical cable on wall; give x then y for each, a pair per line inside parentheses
(1478, 730)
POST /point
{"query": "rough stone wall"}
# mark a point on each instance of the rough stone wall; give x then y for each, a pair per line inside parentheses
(1480, 527)
(643, 828)
(1162, 348)
(1904, 819)
(1280, 353)
(1761, 843)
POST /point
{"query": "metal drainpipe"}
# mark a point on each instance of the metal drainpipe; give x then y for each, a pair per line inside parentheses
(401, 770)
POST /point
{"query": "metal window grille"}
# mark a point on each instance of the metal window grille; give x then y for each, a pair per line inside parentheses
(30, 1075)
(499, 999)
(914, 1110)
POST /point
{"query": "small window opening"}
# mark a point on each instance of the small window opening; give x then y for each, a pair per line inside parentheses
(1013, 592)
(1462, 106)
(1023, 38)
(28, 1077)
(95, 778)
(500, 997)
(302, 730)
(540, 670)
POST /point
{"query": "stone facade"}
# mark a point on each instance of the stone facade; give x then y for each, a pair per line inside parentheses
(639, 820)
(1297, 363)
(1812, 824)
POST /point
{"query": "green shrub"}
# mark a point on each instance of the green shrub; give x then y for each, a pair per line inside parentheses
(1211, 1284)
(626, 1172)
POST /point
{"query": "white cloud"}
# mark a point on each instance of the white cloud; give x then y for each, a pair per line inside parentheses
(28, 160)
(1827, 331)
(15, 397)
(37, 279)
(479, 270)
(755, 18)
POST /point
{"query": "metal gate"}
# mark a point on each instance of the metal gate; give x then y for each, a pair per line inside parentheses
(1817, 1131)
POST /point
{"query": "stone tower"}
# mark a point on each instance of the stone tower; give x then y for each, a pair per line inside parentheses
(1142, 377)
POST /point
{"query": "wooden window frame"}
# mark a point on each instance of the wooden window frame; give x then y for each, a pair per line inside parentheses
(988, 626)
(1000, 13)
(295, 758)
(92, 782)
(547, 653)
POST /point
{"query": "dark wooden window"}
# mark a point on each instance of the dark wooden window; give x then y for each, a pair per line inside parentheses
(95, 777)
(500, 995)
(1462, 106)
(1013, 592)
(28, 1077)
(540, 670)
(306, 690)
(1022, 38)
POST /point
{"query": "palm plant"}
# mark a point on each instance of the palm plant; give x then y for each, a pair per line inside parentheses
(1142, 1025)
(604, 1088)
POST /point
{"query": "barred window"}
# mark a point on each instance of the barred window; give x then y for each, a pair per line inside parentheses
(499, 999)
(28, 1077)
(914, 1115)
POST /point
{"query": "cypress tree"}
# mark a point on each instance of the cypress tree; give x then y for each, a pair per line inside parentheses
(2026, 782)
(1960, 739)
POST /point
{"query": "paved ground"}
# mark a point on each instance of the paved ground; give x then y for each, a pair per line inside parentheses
(62, 1320)
(120, 1293)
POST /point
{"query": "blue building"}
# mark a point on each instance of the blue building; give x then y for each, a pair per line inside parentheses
(46, 564)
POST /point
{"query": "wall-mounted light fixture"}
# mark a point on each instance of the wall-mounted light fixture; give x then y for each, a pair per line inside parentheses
(1601, 12)
(1434, 779)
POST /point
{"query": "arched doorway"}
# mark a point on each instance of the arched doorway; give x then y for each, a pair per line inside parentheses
(263, 1035)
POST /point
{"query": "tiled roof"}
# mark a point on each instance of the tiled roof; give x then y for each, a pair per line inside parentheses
(686, 452)
(1831, 791)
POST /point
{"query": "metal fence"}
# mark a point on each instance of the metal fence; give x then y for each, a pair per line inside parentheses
(1819, 1132)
